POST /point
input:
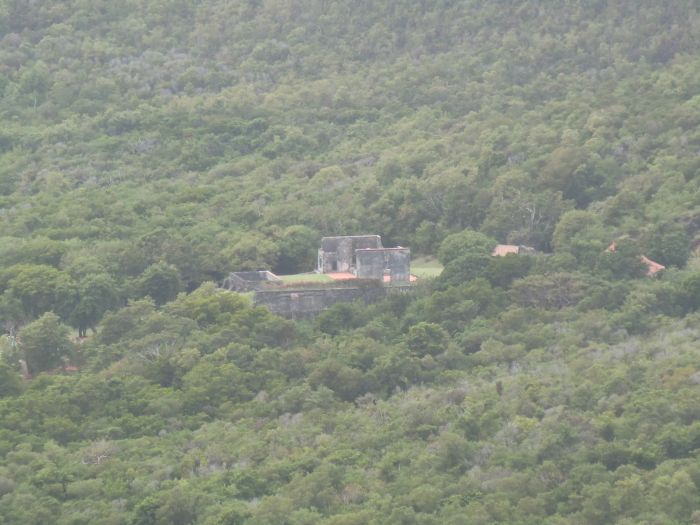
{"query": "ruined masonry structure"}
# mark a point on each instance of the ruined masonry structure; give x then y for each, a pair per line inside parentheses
(250, 281)
(361, 268)
(337, 254)
(393, 264)
(365, 257)
(308, 303)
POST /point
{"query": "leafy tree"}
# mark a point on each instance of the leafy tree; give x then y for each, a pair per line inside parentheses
(345, 381)
(11, 312)
(395, 370)
(41, 288)
(298, 247)
(461, 244)
(253, 252)
(574, 172)
(210, 306)
(10, 384)
(426, 339)
(521, 216)
(551, 291)
(124, 322)
(341, 317)
(623, 262)
(178, 506)
(35, 81)
(582, 234)
(668, 244)
(160, 281)
(427, 237)
(471, 265)
(678, 494)
(96, 295)
(691, 291)
(207, 385)
(39, 250)
(45, 343)
(502, 271)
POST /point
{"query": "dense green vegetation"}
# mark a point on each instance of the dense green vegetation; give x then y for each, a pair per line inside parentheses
(148, 148)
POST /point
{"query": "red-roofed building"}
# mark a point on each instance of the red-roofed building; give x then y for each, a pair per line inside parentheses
(501, 250)
(363, 256)
(652, 266)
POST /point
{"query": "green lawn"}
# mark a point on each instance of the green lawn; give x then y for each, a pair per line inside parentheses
(422, 267)
(305, 278)
(426, 267)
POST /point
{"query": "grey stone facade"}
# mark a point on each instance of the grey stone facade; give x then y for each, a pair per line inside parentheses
(364, 256)
(378, 263)
(308, 303)
(376, 272)
(250, 281)
(337, 254)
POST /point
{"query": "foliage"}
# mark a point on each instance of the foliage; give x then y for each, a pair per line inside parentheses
(45, 343)
(460, 244)
(426, 339)
(149, 148)
(160, 281)
(9, 381)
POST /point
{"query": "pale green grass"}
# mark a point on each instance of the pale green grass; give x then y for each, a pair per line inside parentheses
(305, 278)
(426, 267)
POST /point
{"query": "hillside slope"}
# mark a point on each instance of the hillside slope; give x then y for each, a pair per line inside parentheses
(148, 148)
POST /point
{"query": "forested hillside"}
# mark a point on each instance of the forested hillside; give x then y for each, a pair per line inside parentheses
(148, 148)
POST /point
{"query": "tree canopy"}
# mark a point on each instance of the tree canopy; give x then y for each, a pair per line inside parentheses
(149, 148)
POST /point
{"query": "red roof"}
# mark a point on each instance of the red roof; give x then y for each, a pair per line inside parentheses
(652, 266)
(341, 276)
(504, 249)
(346, 276)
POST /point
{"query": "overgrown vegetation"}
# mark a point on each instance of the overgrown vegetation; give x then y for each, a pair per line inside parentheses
(148, 148)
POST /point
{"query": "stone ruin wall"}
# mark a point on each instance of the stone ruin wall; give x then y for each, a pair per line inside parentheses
(375, 263)
(337, 254)
(250, 281)
(308, 303)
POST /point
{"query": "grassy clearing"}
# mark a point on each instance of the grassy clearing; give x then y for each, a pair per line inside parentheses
(305, 278)
(426, 267)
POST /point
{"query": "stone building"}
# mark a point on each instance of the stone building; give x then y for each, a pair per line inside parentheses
(250, 281)
(361, 270)
(364, 257)
(383, 263)
(306, 303)
(337, 254)
(502, 250)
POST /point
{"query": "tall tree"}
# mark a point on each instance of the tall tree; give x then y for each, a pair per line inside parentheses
(45, 343)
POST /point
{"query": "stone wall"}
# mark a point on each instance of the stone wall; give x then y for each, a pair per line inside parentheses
(375, 264)
(337, 254)
(307, 303)
(250, 281)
